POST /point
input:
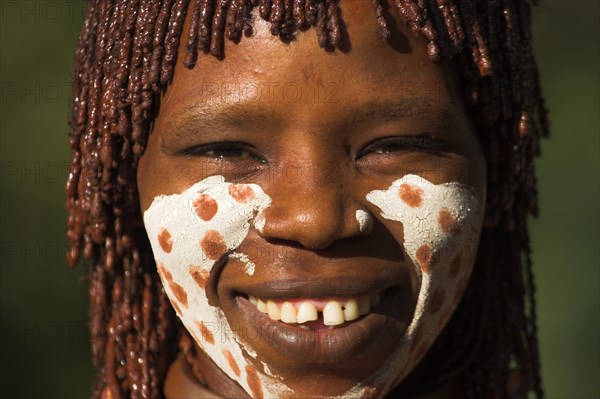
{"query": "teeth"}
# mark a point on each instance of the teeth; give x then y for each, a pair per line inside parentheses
(307, 312)
(288, 313)
(273, 310)
(351, 310)
(332, 314)
(261, 306)
(334, 311)
(364, 305)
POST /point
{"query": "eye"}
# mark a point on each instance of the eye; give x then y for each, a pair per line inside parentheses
(396, 144)
(223, 150)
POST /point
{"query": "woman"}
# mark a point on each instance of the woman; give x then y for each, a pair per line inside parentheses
(290, 220)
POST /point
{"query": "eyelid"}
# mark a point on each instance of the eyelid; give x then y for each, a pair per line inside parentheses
(223, 146)
(422, 142)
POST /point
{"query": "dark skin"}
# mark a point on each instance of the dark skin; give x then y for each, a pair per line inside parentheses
(314, 144)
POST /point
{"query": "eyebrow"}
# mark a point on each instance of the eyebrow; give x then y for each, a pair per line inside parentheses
(213, 116)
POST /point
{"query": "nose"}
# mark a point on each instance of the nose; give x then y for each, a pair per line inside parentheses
(311, 208)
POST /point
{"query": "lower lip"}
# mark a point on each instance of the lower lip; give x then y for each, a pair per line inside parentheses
(323, 346)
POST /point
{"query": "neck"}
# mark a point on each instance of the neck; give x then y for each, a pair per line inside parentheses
(182, 383)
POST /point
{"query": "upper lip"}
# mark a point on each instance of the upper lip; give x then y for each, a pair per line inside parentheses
(314, 287)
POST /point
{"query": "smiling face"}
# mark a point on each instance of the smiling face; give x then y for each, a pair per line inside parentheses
(285, 182)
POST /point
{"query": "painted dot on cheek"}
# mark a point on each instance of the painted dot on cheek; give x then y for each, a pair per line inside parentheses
(206, 207)
(437, 299)
(213, 245)
(454, 267)
(199, 275)
(176, 289)
(458, 295)
(448, 222)
(411, 195)
(232, 364)
(179, 293)
(207, 336)
(165, 241)
(241, 192)
(253, 382)
(424, 257)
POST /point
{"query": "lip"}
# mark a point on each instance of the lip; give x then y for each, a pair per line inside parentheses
(341, 286)
(377, 331)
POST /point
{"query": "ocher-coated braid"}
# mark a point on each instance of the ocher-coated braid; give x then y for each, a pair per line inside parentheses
(124, 61)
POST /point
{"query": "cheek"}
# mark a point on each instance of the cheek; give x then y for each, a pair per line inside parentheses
(189, 233)
(440, 222)
(441, 225)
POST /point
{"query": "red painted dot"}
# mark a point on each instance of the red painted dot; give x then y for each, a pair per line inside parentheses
(424, 257)
(448, 222)
(213, 245)
(206, 207)
(207, 336)
(232, 364)
(437, 299)
(200, 275)
(458, 295)
(165, 273)
(254, 382)
(176, 289)
(454, 267)
(165, 241)
(179, 293)
(411, 195)
(241, 192)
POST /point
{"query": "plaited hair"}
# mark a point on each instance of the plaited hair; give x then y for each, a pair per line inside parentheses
(125, 59)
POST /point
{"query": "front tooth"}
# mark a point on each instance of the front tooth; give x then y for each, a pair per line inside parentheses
(307, 312)
(253, 300)
(351, 311)
(332, 314)
(364, 305)
(273, 310)
(288, 313)
(261, 306)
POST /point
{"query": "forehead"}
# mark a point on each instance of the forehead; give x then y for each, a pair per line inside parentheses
(263, 70)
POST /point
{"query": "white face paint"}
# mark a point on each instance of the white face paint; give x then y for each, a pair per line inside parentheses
(189, 232)
(364, 219)
(441, 223)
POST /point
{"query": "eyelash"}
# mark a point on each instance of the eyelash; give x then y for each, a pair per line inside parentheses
(386, 145)
(221, 150)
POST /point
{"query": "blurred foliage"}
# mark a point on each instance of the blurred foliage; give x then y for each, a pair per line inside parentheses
(44, 341)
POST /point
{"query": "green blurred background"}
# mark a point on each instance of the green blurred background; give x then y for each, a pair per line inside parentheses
(44, 342)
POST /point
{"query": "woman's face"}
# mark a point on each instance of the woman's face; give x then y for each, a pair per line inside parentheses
(346, 183)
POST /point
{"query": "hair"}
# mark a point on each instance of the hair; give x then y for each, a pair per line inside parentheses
(125, 59)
